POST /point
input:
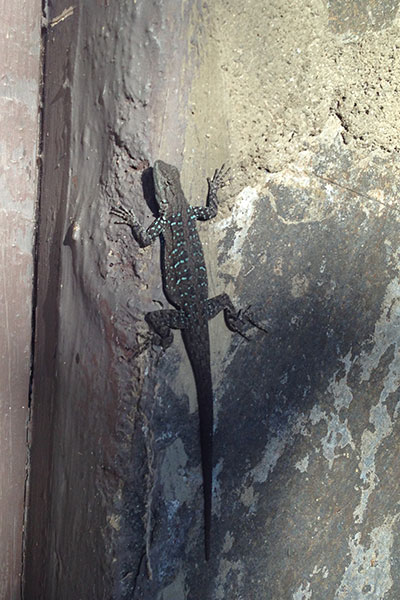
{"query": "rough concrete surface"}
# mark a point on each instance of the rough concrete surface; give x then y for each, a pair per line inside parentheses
(301, 100)
(19, 134)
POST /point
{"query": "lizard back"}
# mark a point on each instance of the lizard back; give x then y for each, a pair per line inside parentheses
(184, 269)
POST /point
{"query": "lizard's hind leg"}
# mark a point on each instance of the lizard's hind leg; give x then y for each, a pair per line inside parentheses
(162, 321)
(233, 318)
(238, 321)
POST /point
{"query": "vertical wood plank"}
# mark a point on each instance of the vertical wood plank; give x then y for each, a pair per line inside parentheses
(19, 99)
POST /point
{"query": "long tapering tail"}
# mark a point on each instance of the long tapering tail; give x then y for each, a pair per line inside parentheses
(198, 349)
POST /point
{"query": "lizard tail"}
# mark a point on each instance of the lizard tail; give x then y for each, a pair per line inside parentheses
(198, 352)
(206, 442)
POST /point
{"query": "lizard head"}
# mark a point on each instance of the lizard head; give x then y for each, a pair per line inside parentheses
(167, 184)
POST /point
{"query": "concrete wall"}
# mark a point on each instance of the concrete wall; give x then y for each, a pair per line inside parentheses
(19, 134)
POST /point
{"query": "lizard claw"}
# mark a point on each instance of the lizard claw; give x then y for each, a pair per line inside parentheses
(223, 174)
(218, 179)
(248, 315)
(241, 321)
(235, 323)
(139, 349)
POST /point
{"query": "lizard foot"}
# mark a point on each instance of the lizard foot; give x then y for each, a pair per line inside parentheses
(165, 342)
(236, 323)
(218, 179)
(250, 317)
(241, 321)
(140, 348)
(161, 333)
(127, 217)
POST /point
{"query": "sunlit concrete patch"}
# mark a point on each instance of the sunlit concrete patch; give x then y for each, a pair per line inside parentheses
(240, 220)
(369, 572)
(385, 336)
(232, 571)
(174, 590)
(340, 389)
(173, 466)
(276, 447)
(249, 498)
(217, 470)
(300, 285)
(338, 433)
(302, 464)
(304, 592)
(228, 542)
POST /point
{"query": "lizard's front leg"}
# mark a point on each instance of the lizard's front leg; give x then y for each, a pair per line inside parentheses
(203, 213)
(143, 236)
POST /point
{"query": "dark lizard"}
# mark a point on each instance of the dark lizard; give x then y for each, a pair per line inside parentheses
(186, 288)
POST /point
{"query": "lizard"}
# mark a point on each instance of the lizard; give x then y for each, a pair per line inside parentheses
(185, 285)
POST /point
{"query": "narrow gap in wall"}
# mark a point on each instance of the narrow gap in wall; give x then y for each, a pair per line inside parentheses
(35, 252)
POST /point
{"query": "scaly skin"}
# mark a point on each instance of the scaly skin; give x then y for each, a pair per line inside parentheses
(186, 288)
